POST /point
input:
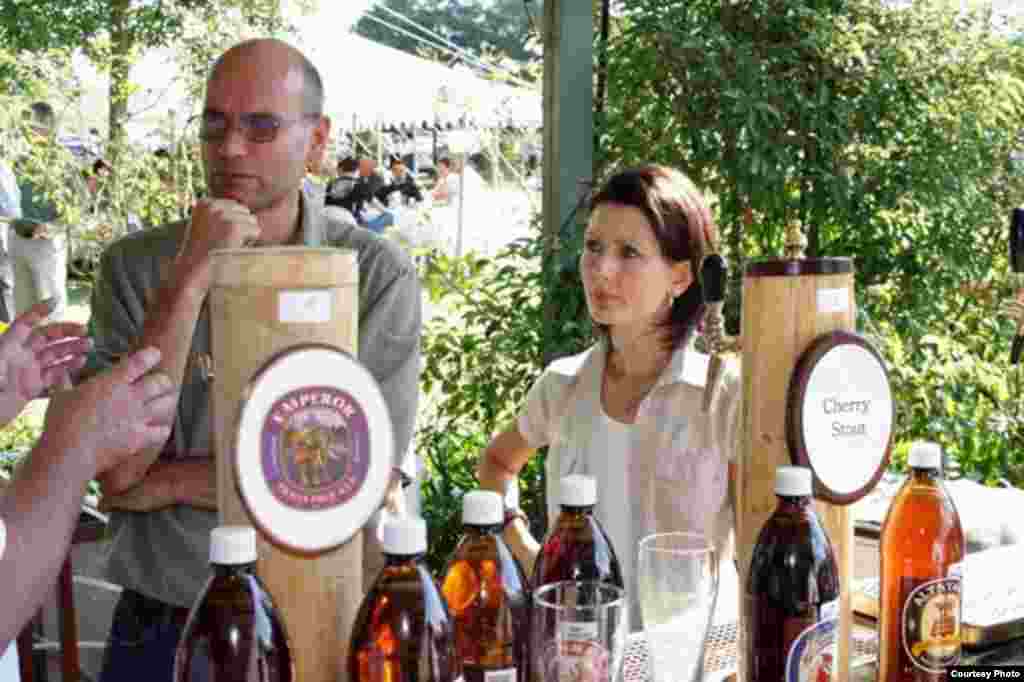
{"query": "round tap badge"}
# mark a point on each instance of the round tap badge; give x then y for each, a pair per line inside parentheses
(314, 447)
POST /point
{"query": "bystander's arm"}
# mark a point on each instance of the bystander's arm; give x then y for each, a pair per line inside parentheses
(87, 430)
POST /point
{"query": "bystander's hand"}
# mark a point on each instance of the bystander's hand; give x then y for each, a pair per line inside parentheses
(35, 358)
(115, 414)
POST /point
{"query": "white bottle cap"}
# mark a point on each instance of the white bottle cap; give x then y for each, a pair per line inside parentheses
(404, 535)
(577, 490)
(793, 481)
(482, 508)
(232, 545)
(925, 455)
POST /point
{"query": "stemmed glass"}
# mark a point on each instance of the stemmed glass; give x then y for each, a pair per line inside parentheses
(677, 584)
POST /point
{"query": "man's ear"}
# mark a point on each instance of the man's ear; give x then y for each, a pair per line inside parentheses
(318, 146)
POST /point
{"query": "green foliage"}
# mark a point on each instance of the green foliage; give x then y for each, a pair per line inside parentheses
(878, 128)
(952, 385)
(141, 187)
(18, 437)
(887, 133)
(481, 355)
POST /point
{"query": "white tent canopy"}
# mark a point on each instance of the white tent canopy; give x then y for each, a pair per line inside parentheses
(366, 85)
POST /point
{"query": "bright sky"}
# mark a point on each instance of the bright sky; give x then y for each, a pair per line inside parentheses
(331, 15)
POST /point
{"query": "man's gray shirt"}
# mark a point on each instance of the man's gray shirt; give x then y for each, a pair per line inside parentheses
(165, 554)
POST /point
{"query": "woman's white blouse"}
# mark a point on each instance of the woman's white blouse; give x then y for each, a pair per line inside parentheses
(668, 471)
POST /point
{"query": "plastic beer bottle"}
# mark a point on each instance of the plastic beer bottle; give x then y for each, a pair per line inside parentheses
(402, 632)
(919, 610)
(793, 586)
(577, 547)
(488, 596)
(234, 633)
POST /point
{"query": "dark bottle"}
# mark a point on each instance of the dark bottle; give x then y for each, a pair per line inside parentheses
(234, 633)
(919, 610)
(577, 548)
(793, 585)
(487, 595)
(402, 632)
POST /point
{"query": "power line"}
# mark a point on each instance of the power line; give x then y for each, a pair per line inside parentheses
(452, 47)
(530, 20)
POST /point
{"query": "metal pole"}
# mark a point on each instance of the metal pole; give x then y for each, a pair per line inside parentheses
(462, 201)
(380, 143)
(496, 137)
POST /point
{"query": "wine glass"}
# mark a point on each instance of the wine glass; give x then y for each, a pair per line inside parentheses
(677, 584)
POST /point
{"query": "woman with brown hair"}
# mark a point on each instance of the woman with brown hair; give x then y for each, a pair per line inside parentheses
(627, 411)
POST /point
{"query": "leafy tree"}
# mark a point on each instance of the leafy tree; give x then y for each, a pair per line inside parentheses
(478, 26)
(887, 132)
(113, 33)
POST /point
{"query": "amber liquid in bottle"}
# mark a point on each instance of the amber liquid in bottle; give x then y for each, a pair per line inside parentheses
(235, 633)
(793, 575)
(919, 613)
(488, 597)
(403, 632)
(577, 548)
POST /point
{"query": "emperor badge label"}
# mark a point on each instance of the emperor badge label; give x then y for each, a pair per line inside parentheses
(813, 653)
(315, 448)
(931, 623)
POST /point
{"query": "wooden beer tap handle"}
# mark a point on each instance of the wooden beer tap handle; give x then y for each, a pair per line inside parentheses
(712, 277)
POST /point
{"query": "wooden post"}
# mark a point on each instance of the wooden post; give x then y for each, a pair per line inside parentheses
(781, 318)
(568, 107)
(318, 594)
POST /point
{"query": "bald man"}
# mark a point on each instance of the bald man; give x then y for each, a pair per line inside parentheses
(261, 125)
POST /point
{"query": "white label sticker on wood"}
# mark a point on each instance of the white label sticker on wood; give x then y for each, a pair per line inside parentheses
(833, 300)
(304, 306)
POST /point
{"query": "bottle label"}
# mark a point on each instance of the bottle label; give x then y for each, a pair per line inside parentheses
(930, 623)
(503, 675)
(578, 631)
(575, 655)
(811, 656)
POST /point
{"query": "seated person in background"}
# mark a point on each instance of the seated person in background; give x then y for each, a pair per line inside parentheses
(340, 189)
(354, 192)
(446, 182)
(369, 177)
(401, 181)
(372, 214)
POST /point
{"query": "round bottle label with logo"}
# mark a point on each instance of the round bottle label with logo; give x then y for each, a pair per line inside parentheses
(931, 623)
(813, 653)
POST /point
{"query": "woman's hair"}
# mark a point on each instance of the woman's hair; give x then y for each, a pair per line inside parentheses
(682, 225)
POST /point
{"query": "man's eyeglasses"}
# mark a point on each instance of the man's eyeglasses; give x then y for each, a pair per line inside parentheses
(258, 128)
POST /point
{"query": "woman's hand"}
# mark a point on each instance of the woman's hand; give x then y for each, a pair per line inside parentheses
(522, 543)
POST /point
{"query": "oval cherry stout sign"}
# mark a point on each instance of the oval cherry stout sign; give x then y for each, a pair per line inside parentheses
(840, 415)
